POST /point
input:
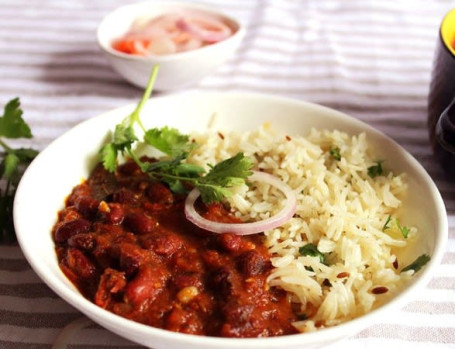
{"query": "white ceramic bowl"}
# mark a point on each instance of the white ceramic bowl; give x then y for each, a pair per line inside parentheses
(176, 70)
(63, 164)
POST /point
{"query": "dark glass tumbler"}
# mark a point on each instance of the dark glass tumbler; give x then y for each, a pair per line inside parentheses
(441, 99)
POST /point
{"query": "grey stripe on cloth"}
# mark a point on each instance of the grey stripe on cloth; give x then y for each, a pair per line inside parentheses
(41, 337)
(26, 291)
(36, 320)
(16, 345)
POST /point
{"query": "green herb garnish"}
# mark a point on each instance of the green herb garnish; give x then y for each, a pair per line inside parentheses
(312, 250)
(335, 153)
(418, 263)
(375, 170)
(173, 170)
(387, 222)
(404, 230)
(13, 163)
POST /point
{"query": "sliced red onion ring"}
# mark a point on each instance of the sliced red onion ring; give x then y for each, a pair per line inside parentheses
(281, 217)
(220, 32)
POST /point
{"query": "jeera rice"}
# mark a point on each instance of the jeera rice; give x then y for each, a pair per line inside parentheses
(350, 217)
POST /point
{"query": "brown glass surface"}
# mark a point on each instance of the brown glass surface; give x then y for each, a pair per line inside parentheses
(442, 92)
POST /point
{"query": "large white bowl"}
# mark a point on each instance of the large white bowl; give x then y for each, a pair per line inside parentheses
(176, 70)
(63, 164)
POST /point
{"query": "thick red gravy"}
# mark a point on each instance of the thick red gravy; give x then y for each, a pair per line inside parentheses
(124, 241)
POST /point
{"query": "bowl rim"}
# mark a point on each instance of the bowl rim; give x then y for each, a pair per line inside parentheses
(113, 322)
(105, 46)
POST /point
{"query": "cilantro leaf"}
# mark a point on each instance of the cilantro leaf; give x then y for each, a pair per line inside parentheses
(13, 162)
(173, 172)
(124, 133)
(124, 136)
(387, 222)
(6, 214)
(312, 250)
(335, 153)
(174, 167)
(418, 263)
(376, 170)
(26, 154)
(226, 174)
(168, 140)
(230, 172)
(10, 167)
(109, 157)
(404, 230)
(12, 125)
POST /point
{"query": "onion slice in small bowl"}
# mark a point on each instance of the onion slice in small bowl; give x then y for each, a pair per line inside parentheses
(272, 222)
(204, 28)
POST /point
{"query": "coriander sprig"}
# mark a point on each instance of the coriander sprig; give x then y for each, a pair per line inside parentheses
(13, 162)
(418, 263)
(312, 250)
(335, 153)
(376, 170)
(401, 228)
(173, 170)
(124, 134)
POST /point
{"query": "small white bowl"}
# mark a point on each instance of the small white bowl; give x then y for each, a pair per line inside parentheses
(176, 70)
(70, 158)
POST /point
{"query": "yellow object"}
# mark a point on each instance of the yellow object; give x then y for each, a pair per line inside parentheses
(448, 31)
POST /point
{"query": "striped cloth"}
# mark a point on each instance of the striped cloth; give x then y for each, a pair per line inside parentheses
(370, 59)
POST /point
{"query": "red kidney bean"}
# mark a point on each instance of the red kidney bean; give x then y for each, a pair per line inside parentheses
(111, 282)
(129, 168)
(115, 215)
(186, 260)
(131, 256)
(251, 263)
(213, 259)
(163, 243)
(184, 321)
(78, 262)
(87, 206)
(182, 280)
(84, 241)
(159, 193)
(146, 286)
(240, 321)
(125, 196)
(140, 223)
(237, 313)
(230, 242)
(222, 280)
(71, 228)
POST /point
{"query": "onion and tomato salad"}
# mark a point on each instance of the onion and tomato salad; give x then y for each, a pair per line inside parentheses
(173, 32)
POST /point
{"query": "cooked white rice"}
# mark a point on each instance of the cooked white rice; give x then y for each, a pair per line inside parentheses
(341, 210)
